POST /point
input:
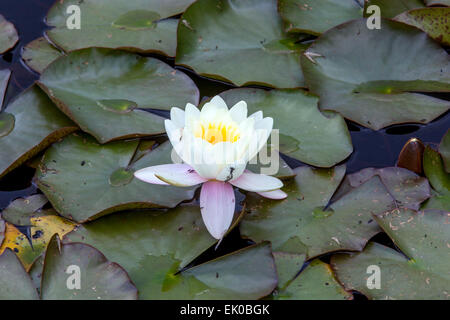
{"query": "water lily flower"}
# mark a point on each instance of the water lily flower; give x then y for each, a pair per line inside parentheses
(215, 145)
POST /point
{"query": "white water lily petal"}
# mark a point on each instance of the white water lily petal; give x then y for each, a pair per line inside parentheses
(148, 175)
(257, 182)
(180, 175)
(178, 117)
(239, 111)
(275, 194)
(217, 204)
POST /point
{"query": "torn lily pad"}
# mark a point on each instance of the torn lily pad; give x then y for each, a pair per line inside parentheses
(384, 81)
(317, 16)
(315, 282)
(241, 42)
(39, 53)
(15, 283)
(157, 250)
(101, 279)
(305, 133)
(102, 89)
(139, 26)
(423, 274)
(433, 21)
(8, 35)
(306, 222)
(28, 125)
(85, 180)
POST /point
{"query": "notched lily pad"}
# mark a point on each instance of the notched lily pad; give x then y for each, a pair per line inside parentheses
(38, 123)
(132, 25)
(157, 249)
(84, 180)
(8, 35)
(376, 86)
(39, 53)
(212, 42)
(100, 90)
(305, 133)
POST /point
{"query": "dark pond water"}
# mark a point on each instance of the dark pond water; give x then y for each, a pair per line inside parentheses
(372, 148)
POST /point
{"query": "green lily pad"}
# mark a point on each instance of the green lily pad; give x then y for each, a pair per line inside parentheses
(306, 222)
(35, 272)
(85, 180)
(378, 84)
(39, 53)
(37, 124)
(317, 16)
(4, 79)
(315, 282)
(240, 42)
(444, 150)
(8, 35)
(439, 179)
(423, 237)
(21, 210)
(407, 188)
(159, 244)
(139, 26)
(434, 21)
(100, 89)
(100, 279)
(15, 283)
(316, 138)
(390, 9)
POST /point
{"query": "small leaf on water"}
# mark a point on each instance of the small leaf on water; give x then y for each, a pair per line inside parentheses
(117, 105)
(121, 177)
(137, 20)
(411, 156)
(7, 122)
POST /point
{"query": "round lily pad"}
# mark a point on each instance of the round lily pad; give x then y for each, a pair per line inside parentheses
(99, 278)
(39, 53)
(133, 25)
(305, 133)
(384, 81)
(8, 35)
(317, 16)
(306, 222)
(85, 180)
(242, 42)
(434, 21)
(4, 79)
(37, 124)
(423, 274)
(315, 282)
(100, 90)
(15, 283)
(160, 244)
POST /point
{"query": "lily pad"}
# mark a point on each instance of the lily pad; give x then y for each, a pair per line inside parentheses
(317, 16)
(21, 210)
(378, 85)
(32, 242)
(433, 167)
(39, 53)
(434, 21)
(316, 138)
(4, 79)
(85, 180)
(8, 35)
(315, 282)
(160, 244)
(100, 279)
(390, 9)
(2, 230)
(133, 25)
(15, 283)
(100, 89)
(444, 150)
(423, 237)
(306, 222)
(242, 42)
(437, 2)
(407, 188)
(36, 123)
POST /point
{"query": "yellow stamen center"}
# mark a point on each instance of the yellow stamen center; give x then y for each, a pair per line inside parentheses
(217, 132)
